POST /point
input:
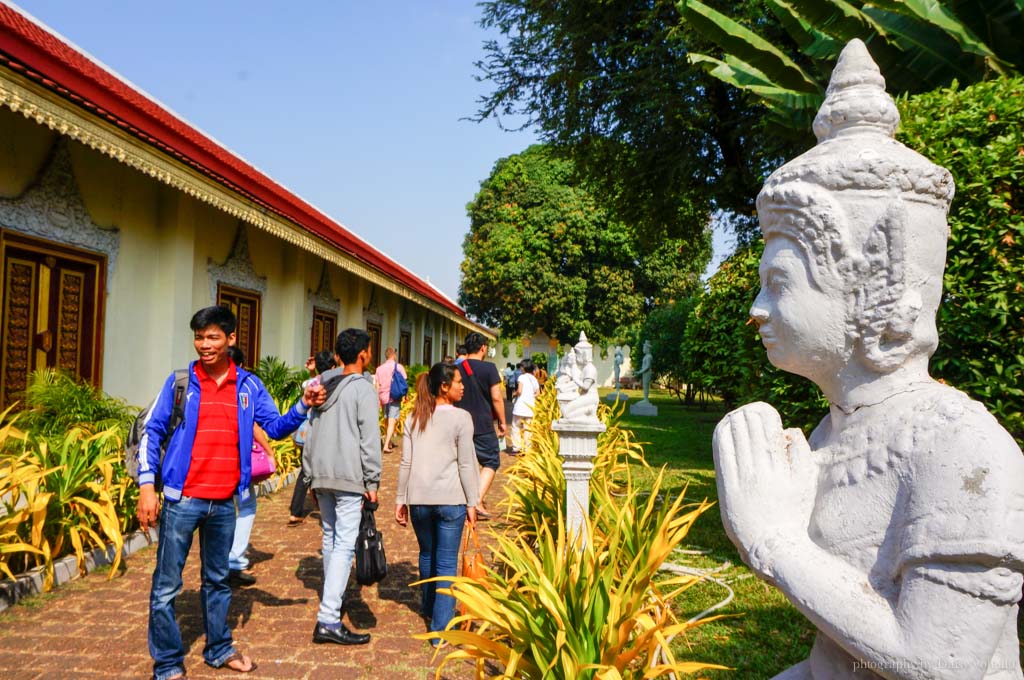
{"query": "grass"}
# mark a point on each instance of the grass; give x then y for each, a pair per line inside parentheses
(764, 634)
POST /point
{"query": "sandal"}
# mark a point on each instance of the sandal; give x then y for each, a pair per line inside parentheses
(239, 657)
(296, 521)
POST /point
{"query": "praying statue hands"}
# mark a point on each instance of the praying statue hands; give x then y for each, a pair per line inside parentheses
(768, 482)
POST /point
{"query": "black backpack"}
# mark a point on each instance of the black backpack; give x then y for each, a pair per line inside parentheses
(135, 432)
(371, 564)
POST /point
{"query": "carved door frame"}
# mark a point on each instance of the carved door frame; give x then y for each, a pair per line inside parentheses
(250, 321)
(324, 331)
(70, 334)
(376, 333)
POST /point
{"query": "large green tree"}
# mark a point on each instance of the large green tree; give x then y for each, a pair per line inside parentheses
(609, 84)
(543, 253)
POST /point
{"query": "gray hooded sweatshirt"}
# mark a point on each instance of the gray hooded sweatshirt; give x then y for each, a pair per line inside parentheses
(342, 451)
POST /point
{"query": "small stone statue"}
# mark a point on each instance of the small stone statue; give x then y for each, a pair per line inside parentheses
(577, 387)
(617, 367)
(644, 407)
(645, 370)
(898, 527)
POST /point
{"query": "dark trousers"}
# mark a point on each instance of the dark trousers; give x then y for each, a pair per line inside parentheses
(299, 493)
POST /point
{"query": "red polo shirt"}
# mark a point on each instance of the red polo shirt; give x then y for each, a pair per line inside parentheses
(214, 471)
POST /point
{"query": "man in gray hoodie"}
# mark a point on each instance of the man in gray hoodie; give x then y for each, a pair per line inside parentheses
(343, 457)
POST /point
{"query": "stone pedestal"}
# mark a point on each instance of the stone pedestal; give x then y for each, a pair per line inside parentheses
(577, 444)
(643, 408)
(613, 397)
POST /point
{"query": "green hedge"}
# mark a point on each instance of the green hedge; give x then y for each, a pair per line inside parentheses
(978, 134)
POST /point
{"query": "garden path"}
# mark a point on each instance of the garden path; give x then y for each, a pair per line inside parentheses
(96, 628)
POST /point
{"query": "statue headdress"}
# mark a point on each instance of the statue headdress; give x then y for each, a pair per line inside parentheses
(868, 212)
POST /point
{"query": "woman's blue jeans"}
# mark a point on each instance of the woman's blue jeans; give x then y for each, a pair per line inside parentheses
(179, 521)
(439, 532)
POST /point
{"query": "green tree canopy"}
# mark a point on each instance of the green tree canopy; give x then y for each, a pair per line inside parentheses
(542, 253)
(609, 84)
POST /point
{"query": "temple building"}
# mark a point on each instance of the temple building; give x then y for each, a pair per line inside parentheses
(118, 220)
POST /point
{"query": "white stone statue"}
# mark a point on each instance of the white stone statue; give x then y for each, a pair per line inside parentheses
(617, 366)
(645, 369)
(898, 528)
(577, 388)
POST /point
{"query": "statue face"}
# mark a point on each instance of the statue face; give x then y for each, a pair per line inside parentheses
(802, 326)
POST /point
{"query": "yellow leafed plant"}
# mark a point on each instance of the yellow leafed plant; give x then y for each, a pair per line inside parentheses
(555, 607)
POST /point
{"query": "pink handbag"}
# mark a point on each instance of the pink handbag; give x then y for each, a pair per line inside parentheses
(262, 464)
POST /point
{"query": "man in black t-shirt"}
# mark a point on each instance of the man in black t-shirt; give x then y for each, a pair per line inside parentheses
(483, 399)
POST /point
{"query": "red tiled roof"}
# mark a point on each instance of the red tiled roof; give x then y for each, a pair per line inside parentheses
(30, 49)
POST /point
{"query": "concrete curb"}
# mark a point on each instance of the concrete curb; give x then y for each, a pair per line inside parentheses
(66, 568)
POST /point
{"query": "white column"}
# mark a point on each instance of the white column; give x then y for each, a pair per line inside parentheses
(577, 445)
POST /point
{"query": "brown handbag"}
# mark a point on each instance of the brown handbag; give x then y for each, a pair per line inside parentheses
(472, 558)
(472, 562)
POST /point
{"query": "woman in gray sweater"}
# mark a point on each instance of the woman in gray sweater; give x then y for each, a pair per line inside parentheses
(438, 483)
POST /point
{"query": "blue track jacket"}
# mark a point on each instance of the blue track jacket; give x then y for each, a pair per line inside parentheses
(254, 406)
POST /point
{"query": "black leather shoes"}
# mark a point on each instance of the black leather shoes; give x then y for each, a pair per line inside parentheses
(342, 636)
(241, 577)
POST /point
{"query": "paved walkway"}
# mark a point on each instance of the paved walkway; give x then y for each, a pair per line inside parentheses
(96, 628)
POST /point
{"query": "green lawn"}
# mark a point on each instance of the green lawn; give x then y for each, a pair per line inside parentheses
(764, 634)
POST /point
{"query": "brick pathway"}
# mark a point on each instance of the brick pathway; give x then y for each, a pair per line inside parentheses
(96, 628)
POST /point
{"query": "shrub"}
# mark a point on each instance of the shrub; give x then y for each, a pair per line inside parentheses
(58, 497)
(977, 133)
(555, 606)
(56, 401)
(282, 382)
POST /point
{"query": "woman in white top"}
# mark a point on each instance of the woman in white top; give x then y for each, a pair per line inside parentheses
(522, 412)
(438, 483)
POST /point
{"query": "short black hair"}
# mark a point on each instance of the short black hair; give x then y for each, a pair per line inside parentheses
(324, 361)
(219, 316)
(460, 350)
(528, 366)
(351, 342)
(474, 341)
(236, 355)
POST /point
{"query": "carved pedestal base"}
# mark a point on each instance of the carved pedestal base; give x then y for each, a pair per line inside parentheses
(643, 408)
(613, 397)
(577, 444)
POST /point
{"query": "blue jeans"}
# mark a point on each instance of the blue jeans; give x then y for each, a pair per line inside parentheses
(439, 532)
(243, 530)
(340, 512)
(215, 521)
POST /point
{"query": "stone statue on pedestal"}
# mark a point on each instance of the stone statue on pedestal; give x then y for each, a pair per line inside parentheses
(898, 527)
(577, 387)
(644, 407)
(617, 394)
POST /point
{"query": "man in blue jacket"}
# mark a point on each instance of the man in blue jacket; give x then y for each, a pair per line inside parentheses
(207, 461)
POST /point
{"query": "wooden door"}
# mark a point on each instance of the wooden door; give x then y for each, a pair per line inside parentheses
(247, 308)
(374, 330)
(405, 348)
(52, 312)
(428, 350)
(325, 331)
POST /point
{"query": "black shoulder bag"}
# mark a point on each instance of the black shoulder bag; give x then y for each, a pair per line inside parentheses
(371, 563)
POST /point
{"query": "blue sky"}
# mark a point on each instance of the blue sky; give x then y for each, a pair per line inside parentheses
(357, 107)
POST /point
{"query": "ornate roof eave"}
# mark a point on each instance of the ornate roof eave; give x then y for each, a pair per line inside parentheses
(48, 108)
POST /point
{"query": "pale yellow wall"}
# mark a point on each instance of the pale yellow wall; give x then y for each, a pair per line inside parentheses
(160, 276)
(24, 149)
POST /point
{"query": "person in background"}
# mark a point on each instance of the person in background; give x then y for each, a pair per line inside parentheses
(506, 376)
(438, 484)
(484, 400)
(207, 461)
(238, 561)
(527, 388)
(392, 409)
(316, 365)
(342, 456)
(460, 354)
